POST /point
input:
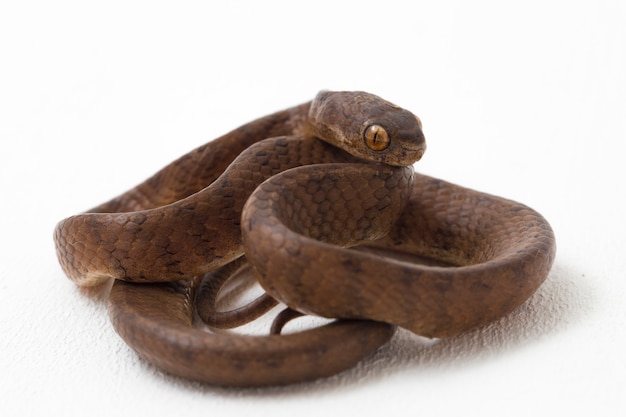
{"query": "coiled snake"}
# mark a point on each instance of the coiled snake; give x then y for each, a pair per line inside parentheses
(340, 227)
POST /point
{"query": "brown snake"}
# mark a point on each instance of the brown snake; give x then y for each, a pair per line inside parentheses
(340, 227)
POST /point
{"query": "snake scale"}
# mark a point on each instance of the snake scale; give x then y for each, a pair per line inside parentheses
(320, 202)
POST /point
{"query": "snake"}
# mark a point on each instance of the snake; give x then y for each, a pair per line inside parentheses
(319, 203)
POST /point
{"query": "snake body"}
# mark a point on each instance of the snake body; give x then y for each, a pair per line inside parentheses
(340, 227)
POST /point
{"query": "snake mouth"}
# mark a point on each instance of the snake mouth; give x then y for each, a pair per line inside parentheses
(419, 152)
(403, 156)
(412, 154)
(414, 148)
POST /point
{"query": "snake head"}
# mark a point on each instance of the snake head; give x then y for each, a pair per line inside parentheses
(367, 127)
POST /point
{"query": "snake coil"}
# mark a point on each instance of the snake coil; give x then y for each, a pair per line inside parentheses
(321, 203)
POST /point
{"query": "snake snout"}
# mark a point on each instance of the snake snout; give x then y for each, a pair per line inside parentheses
(415, 143)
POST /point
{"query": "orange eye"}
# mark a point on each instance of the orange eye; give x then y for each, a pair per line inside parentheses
(376, 138)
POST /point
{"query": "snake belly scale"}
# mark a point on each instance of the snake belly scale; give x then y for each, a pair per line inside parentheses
(321, 200)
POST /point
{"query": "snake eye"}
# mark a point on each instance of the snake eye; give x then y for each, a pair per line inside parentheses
(376, 138)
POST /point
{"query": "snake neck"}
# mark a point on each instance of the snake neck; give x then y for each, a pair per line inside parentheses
(298, 122)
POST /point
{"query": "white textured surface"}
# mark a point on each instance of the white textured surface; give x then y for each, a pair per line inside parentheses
(525, 101)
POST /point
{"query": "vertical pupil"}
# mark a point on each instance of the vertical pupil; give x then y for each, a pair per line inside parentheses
(376, 138)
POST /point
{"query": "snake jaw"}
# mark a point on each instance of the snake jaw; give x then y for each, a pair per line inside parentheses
(414, 153)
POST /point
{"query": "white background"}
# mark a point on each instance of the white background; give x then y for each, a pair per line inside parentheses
(520, 99)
